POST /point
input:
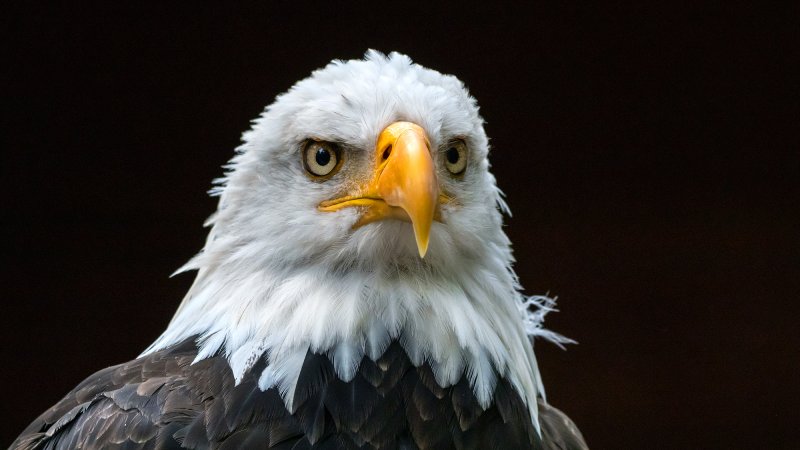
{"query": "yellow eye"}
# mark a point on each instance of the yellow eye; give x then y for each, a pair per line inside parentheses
(455, 157)
(321, 159)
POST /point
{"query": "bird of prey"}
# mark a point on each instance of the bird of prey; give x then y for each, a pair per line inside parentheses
(355, 291)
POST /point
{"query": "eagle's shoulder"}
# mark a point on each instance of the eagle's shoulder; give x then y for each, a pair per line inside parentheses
(165, 400)
(559, 432)
(126, 405)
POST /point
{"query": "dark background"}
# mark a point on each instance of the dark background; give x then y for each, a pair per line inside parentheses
(650, 158)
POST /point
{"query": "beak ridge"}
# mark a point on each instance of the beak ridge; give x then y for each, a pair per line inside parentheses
(408, 179)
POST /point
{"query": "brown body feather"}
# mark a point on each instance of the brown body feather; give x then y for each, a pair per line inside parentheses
(162, 401)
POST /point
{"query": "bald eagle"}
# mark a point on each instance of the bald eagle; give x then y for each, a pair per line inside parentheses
(355, 291)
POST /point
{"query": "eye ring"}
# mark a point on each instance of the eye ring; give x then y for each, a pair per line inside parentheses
(321, 159)
(455, 157)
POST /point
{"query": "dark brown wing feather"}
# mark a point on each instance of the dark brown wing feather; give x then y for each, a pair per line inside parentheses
(558, 431)
(163, 401)
(135, 405)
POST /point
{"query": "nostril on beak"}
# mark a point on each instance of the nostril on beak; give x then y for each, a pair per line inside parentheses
(387, 152)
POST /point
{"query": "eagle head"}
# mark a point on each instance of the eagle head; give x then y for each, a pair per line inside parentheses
(366, 165)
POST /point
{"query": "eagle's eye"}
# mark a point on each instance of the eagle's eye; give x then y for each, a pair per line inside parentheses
(455, 157)
(321, 159)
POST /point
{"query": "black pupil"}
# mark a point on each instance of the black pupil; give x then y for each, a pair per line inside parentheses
(323, 157)
(452, 155)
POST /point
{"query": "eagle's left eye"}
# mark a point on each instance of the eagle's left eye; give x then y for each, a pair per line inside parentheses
(321, 159)
(455, 157)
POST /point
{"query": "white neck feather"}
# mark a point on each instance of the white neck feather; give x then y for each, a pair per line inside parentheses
(466, 319)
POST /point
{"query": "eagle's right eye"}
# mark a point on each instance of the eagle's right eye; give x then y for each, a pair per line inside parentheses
(321, 159)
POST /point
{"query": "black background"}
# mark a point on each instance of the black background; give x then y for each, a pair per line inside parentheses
(649, 155)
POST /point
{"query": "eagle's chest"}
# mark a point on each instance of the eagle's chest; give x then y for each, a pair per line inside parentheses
(164, 400)
(389, 403)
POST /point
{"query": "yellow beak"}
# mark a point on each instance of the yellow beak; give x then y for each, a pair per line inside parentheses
(403, 186)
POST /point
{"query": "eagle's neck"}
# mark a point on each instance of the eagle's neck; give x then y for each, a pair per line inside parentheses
(466, 320)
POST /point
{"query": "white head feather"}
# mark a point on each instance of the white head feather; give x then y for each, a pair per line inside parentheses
(277, 277)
